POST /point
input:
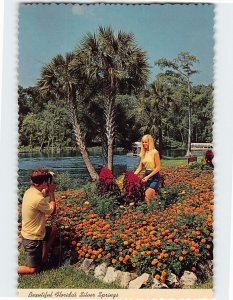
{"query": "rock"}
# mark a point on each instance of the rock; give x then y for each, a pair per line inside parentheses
(172, 281)
(210, 264)
(188, 279)
(125, 278)
(210, 267)
(87, 265)
(100, 271)
(156, 284)
(140, 281)
(112, 275)
(204, 272)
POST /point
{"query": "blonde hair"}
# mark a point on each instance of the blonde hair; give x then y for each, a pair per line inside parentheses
(151, 144)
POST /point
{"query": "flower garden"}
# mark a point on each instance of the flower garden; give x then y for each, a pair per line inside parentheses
(109, 222)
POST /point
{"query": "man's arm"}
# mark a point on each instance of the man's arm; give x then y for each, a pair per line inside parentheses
(52, 201)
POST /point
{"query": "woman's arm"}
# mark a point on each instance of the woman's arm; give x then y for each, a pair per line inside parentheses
(157, 164)
(139, 168)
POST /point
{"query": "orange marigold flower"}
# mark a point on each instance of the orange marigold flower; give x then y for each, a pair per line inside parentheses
(181, 258)
(154, 262)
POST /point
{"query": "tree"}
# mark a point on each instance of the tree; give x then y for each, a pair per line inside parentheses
(152, 107)
(181, 69)
(203, 113)
(29, 101)
(117, 66)
(60, 81)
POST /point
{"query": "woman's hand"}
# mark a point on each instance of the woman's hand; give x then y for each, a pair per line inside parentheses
(145, 179)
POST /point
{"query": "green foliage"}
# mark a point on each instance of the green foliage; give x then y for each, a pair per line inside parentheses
(20, 193)
(200, 166)
(167, 196)
(64, 182)
(103, 205)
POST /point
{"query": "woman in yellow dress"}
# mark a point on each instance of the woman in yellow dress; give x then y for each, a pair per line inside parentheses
(150, 160)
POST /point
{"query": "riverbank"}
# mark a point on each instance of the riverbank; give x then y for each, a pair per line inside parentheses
(97, 150)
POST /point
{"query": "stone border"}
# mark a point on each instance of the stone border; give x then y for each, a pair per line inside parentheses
(129, 280)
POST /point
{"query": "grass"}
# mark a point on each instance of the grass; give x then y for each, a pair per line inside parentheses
(206, 285)
(64, 277)
(172, 162)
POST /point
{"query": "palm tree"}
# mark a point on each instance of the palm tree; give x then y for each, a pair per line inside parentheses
(152, 106)
(59, 81)
(117, 66)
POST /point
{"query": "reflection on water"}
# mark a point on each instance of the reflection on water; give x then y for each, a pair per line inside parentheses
(71, 163)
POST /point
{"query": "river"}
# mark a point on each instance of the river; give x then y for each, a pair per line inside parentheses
(69, 162)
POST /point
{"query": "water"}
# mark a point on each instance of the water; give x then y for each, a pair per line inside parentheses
(69, 162)
(73, 163)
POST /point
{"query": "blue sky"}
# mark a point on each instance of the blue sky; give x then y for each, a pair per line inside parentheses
(160, 30)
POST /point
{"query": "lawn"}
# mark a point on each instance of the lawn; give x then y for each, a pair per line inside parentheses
(65, 277)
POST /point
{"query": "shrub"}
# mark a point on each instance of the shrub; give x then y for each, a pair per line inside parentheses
(133, 188)
(65, 182)
(196, 165)
(107, 184)
(20, 193)
(200, 166)
(168, 196)
(105, 205)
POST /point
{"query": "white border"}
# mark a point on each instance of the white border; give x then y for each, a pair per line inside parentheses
(223, 146)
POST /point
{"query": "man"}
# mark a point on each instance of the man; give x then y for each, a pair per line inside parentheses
(36, 237)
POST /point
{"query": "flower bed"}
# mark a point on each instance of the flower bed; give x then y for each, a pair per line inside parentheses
(158, 239)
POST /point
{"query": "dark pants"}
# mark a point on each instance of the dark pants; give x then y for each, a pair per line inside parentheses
(34, 249)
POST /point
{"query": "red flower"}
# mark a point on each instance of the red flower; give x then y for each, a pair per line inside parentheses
(106, 176)
(133, 187)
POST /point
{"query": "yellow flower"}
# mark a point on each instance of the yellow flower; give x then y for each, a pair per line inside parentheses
(114, 261)
(181, 258)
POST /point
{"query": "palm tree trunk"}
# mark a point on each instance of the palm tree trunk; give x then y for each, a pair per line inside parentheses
(109, 112)
(79, 139)
(104, 148)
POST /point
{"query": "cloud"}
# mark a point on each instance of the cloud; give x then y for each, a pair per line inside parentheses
(79, 10)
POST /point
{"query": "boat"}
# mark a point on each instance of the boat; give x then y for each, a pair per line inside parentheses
(136, 148)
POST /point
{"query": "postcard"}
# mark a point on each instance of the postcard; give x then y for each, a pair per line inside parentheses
(116, 153)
